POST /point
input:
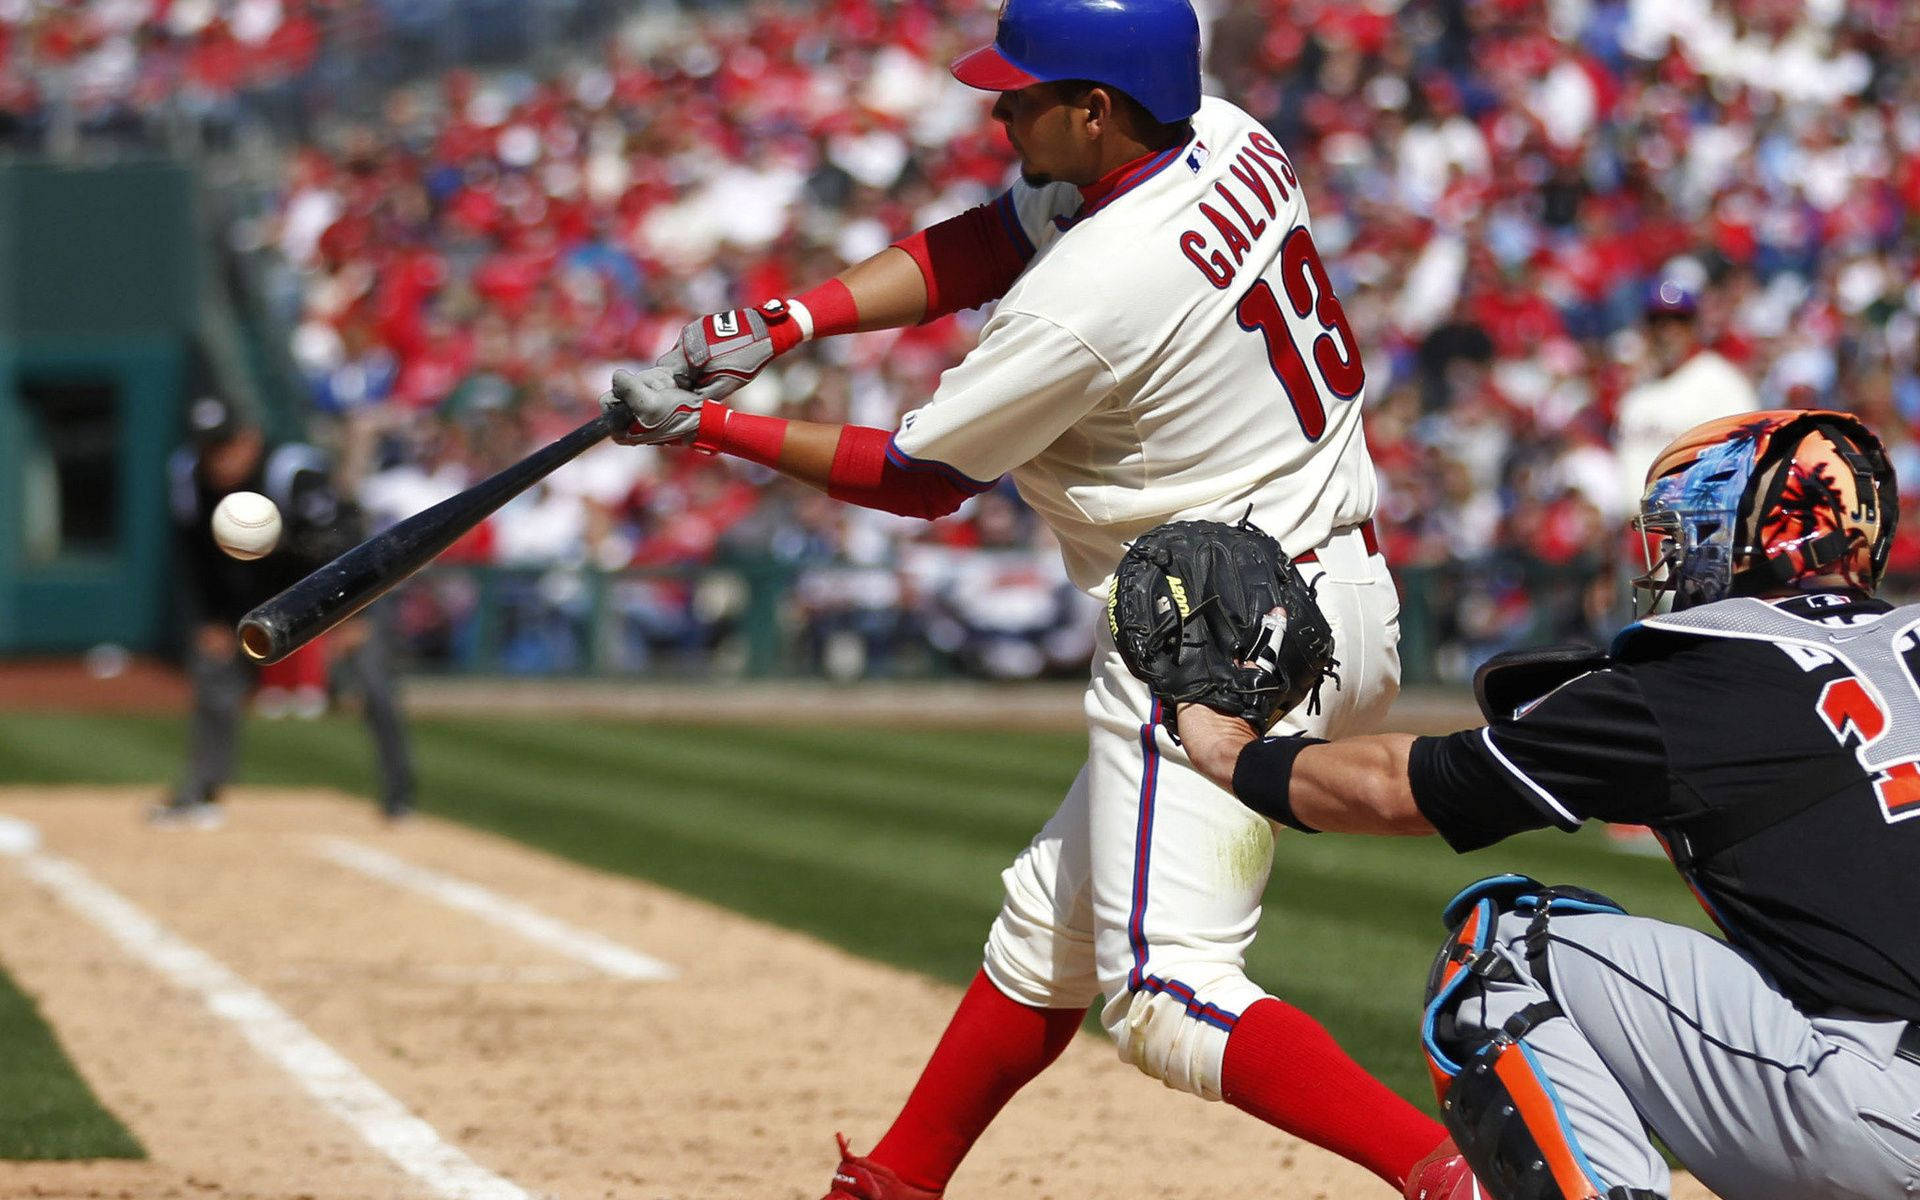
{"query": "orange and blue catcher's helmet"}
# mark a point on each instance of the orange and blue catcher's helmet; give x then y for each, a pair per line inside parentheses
(1764, 502)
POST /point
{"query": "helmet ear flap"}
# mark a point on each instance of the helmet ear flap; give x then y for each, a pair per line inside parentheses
(1878, 469)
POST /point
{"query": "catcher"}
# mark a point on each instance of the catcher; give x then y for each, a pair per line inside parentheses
(1768, 728)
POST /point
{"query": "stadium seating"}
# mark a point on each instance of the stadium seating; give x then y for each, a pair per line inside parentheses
(1495, 184)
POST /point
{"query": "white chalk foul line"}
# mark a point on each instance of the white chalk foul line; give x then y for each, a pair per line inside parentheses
(337, 1084)
(603, 954)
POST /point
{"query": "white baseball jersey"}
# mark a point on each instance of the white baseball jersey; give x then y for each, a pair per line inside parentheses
(1173, 348)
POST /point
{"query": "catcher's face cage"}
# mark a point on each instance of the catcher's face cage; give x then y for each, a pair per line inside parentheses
(1687, 558)
(1787, 499)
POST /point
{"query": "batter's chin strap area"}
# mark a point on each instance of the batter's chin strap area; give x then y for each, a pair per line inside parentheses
(1497, 1103)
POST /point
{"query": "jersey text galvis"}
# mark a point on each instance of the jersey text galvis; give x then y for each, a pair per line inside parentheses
(1267, 179)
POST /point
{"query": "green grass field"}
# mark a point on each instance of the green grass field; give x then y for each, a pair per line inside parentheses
(51, 1113)
(888, 843)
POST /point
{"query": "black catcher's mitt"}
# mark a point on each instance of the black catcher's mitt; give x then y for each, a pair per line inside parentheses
(1215, 614)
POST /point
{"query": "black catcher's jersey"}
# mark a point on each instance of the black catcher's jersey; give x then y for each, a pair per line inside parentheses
(1778, 757)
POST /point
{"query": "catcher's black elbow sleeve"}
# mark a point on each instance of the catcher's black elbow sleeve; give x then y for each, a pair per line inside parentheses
(1263, 773)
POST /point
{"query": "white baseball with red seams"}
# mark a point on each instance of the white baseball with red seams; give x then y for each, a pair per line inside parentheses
(1172, 350)
(246, 525)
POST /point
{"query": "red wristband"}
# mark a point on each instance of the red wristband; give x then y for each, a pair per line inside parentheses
(783, 329)
(832, 307)
(743, 435)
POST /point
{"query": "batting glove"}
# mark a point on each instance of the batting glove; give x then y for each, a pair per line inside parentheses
(663, 413)
(721, 353)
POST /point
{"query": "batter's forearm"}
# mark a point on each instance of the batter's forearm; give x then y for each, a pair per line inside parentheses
(848, 462)
(888, 290)
(962, 262)
(806, 452)
(802, 450)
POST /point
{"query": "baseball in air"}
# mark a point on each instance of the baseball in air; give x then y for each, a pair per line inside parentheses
(246, 525)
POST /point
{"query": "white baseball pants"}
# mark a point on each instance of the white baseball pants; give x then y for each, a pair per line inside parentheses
(1145, 885)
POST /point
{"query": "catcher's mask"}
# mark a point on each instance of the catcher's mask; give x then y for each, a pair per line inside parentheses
(1763, 502)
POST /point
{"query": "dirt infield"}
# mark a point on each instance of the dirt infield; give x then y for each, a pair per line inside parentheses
(558, 1080)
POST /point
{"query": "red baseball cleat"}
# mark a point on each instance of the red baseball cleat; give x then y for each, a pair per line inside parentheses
(858, 1179)
(1444, 1175)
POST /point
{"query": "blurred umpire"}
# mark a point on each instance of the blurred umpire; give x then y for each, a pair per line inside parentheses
(226, 453)
(1768, 728)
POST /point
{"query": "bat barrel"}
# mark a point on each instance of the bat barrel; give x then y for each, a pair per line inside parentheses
(264, 637)
(341, 588)
(331, 594)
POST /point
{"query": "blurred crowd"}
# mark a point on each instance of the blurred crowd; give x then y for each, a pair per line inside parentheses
(187, 74)
(104, 64)
(1556, 227)
(1551, 223)
(465, 270)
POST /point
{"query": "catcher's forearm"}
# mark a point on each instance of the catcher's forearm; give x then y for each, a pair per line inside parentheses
(1213, 741)
(1356, 785)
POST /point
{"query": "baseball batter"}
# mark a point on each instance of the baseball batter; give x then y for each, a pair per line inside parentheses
(1166, 344)
(1768, 728)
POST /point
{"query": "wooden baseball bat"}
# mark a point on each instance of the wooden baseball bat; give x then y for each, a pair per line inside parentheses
(331, 594)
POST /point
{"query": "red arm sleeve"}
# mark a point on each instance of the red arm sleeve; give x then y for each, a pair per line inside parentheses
(870, 472)
(970, 259)
(867, 469)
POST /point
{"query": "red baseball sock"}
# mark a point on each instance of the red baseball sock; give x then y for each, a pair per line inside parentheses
(1282, 1066)
(991, 1048)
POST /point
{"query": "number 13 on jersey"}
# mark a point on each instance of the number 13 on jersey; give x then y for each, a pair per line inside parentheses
(1334, 373)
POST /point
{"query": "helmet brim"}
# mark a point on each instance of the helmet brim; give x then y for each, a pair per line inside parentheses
(990, 71)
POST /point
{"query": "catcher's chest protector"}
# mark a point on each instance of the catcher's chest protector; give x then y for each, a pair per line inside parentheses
(1791, 735)
(1878, 651)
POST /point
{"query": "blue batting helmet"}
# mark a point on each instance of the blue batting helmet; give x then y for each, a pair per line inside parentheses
(1149, 49)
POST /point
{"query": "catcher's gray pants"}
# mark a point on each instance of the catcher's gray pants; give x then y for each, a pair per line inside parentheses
(1672, 1030)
